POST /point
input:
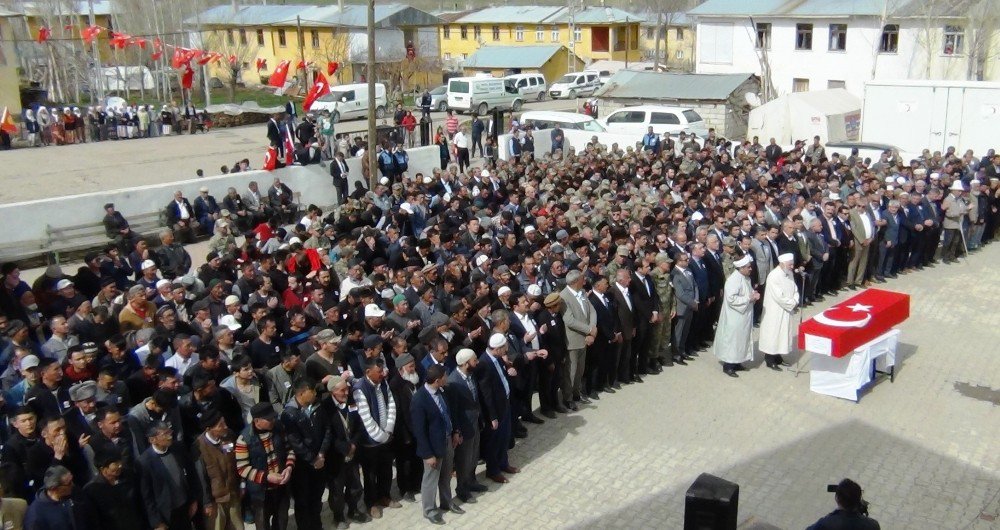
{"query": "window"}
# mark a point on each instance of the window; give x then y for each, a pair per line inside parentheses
(260, 37)
(680, 33)
(465, 56)
(649, 33)
(838, 37)
(954, 40)
(763, 36)
(577, 34)
(477, 32)
(627, 116)
(691, 116)
(463, 31)
(243, 36)
(519, 33)
(281, 38)
(803, 36)
(496, 32)
(834, 83)
(800, 85)
(715, 43)
(890, 39)
(314, 38)
(447, 56)
(229, 37)
(555, 33)
(679, 54)
(539, 33)
(446, 32)
(664, 118)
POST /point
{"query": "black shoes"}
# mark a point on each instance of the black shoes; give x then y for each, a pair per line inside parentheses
(531, 418)
(679, 359)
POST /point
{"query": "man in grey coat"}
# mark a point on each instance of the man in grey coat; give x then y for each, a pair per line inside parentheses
(686, 302)
(581, 329)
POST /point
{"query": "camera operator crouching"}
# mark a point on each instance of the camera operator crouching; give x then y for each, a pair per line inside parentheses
(851, 512)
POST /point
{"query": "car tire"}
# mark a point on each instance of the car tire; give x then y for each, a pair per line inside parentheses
(541, 96)
(442, 106)
(380, 112)
(571, 94)
(516, 106)
(482, 109)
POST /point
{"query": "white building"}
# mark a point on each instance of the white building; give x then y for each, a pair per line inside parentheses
(801, 45)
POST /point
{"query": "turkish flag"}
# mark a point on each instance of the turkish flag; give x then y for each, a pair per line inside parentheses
(119, 40)
(319, 88)
(289, 148)
(301, 65)
(157, 49)
(261, 64)
(331, 67)
(43, 34)
(89, 33)
(187, 80)
(277, 79)
(232, 60)
(205, 59)
(841, 329)
(141, 42)
(270, 158)
(179, 58)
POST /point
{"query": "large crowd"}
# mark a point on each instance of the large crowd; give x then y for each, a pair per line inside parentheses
(372, 353)
(44, 126)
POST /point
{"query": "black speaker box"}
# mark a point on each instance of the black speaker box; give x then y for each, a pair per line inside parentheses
(711, 503)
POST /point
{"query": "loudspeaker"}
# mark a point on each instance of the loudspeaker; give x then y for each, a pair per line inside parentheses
(711, 503)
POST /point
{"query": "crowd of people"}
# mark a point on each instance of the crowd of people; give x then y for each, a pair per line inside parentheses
(44, 126)
(372, 353)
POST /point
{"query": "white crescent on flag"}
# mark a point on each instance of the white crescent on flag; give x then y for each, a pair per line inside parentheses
(837, 323)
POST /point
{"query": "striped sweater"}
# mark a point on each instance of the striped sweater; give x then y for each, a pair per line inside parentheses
(252, 474)
(377, 409)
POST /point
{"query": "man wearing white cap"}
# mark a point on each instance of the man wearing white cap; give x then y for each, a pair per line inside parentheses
(955, 208)
(491, 376)
(733, 337)
(781, 297)
(462, 392)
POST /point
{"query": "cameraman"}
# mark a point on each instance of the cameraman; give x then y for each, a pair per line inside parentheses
(851, 512)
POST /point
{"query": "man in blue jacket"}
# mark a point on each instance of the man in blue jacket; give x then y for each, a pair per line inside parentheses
(436, 436)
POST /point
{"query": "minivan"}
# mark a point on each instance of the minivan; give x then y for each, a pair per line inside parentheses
(572, 86)
(351, 101)
(637, 120)
(548, 119)
(530, 86)
(481, 94)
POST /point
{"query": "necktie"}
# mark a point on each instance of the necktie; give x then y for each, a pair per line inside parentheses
(444, 411)
(503, 377)
(472, 388)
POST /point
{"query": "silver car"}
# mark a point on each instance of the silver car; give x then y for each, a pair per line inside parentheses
(439, 98)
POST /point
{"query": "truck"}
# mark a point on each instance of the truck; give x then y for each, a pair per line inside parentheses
(935, 115)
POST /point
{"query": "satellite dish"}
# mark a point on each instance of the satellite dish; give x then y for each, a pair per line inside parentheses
(752, 99)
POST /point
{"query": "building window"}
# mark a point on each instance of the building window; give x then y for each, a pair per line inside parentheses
(539, 33)
(890, 39)
(465, 56)
(477, 32)
(954, 40)
(838, 37)
(649, 33)
(555, 33)
(446, 32)
(577, 34)
(803, 36)
(519, 33)
(243, 36)
(260, 37)
(679, 54)
(800, 85)
(835, 83)
(447, 56)
(496, 32)
(463, 32)
(680, 33)
(281, 38)
(763, 36)
(229, 37)
(314, 38)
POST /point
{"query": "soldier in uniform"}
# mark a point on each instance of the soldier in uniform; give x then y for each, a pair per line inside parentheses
(621, 257)
(660, 350)
(728, 254)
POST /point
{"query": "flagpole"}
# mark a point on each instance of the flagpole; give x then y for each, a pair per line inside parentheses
(372, 139)
(98, 77)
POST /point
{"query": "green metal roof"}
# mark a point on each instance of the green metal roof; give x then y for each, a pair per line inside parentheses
(636, 85)
(353, 15)
(512, 56)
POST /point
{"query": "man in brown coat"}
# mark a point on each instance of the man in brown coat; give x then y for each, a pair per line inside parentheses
(217, 470)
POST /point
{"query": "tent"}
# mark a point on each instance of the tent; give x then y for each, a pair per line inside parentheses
(117, 78)
(833, 115)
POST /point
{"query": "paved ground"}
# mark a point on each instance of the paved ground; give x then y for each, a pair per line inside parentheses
(66, 170)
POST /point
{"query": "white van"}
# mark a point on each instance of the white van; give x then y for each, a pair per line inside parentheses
(530, 86)
(482, 94)
(637, 120)
(548, 119)
(347, 102)
(572, 86)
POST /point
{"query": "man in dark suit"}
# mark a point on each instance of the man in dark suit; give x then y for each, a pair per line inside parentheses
(646, 307)
(699, 271)
(716, 282)
(491, 374)
(274, 135)
(686, 295)
(891, 242)
(343, 473)
(180, 216)
(621, 301)
(436, 437)
(603, 375)
(403, 382)
(84, 402)
(309, 438)
(341, 176)
(550, 369)
(819, 254)
(772, 152)
(462, 393)
(169, 483)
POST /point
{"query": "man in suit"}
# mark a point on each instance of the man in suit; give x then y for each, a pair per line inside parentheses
(180, 215)
(697, 335)
(772, 152)
(436, 437)
(377, 409)
(346, 431)
(646, 306)
(819, 253)
(832, 234)
(491, 374)
(863, 234)
(274, 134)
(462, 393)
(762, 253)
(341, 176)
(403, 382)
(581, 329)
(79, 416)
(169, 483)
(891, 242)
(624, 314)
(308, 437)
(605, 354)
(686, 302)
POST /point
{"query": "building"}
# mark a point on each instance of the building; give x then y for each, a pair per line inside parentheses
(592, 33)
(550, 60)
(407, 52)
(801, 45)
(676, 41)
(10, 93)
(720, 99)
(65, 20)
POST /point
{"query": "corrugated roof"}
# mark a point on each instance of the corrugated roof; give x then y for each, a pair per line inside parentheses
(510, 15)
(675, 19)
(80, 7)
(353, 15)
(4, 13)
(597, 15)
(791, 8)
(628, 84)
(531, 56)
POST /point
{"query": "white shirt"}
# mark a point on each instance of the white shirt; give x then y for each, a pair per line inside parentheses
(867, 222)
(579, 298)
(182, 208)
(461, 140)
(529, 327)
(180, 364)
(624, 291)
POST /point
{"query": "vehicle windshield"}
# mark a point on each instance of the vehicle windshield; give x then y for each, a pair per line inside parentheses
(567, 79)
(459, 86)
(591, 126)
(332, 96)
(439, 90)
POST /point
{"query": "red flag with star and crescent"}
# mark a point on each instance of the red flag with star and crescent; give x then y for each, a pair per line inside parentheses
(270, 158)
(43, 34)
(840, 329)
(187, 81)
(89, 33)
(277, 79)
(289, 148)
(319, 89)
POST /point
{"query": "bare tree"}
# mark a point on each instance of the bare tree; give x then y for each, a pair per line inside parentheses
(668, 12)
(889, 10)
(237, 52)
(982, 28)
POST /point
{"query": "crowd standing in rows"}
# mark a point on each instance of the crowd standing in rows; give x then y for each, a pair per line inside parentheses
(44, 126)
(370, 352)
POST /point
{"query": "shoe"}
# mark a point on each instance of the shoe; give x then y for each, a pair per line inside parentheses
(435, 518)
(560, 409)
(409, 497)
(479, 488)
(572, 406)
(774, 367)
(740, 368)
(730, 372)
(531, 418)
(360, 517)
(521, 433)
(499, 479)
(390, 503)
(819, 298)
(680, 360)
(511, 470)
(454, 509)
(655, 370)
(616, 386)
(341, 525)
(593, 396)
(692, 354)
(585, 400)
(609, 390)
(467, 499)
(549, 414)
(375, 512)
(667, 364)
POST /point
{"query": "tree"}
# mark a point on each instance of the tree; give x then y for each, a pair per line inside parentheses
(982, 30)
(238, 52)
(668, 12)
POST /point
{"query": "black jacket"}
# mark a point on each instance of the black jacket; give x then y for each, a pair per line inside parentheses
(157, 489)
(306, 432)
(495, 401)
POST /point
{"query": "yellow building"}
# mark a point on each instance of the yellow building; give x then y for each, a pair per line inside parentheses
(676, 41)
(550, 60)
(10, 94)
(407, 53)
(592, 33)
(65, 20)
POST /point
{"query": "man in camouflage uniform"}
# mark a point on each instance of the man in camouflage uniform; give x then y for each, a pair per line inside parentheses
(728, 253)
(619, 261)
(660, 351)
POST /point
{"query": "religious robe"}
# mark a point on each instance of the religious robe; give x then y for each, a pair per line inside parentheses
(733, 336)
(777, 329)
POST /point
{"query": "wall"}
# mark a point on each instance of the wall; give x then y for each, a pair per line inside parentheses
(456, 46)
(25, 221)
(10, 95)
(672, 45)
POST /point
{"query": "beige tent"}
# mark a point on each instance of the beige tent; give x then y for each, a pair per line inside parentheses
(833, 115)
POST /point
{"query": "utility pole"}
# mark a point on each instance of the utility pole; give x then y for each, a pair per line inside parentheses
(628, 36)
(572, 35)
(372, 138)
(302, 52)
(98, 85)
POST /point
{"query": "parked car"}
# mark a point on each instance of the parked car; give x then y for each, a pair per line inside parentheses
(530, 86)
(481, 94)
(351, 101)
(439, 98)
(870, 150)
(572, 86)
(602, 75)
(546, 119)
(637, 120)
